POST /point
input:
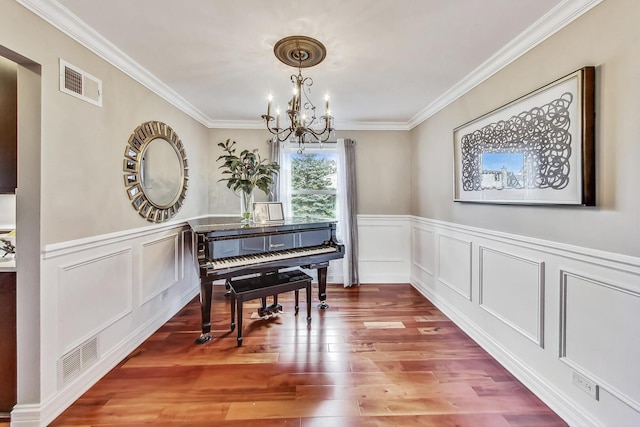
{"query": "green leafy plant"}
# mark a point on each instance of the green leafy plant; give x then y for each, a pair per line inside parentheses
(246, 171)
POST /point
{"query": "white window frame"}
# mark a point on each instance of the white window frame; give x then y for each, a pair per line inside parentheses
(290, 149)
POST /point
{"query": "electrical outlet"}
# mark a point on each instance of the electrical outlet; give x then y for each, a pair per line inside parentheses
(585, 385)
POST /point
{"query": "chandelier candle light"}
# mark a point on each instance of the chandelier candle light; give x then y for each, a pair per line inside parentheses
(300, 52)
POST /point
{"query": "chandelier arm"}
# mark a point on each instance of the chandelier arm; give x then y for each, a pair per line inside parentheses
(301, 112)
(277, 132)
(286, 132)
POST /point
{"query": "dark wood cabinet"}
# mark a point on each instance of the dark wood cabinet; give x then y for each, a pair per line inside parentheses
(8, 126)
(8, 357)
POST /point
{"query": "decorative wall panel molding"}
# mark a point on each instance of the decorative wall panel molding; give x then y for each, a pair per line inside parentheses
(93, 294)
(423, 249)
(384, 249)
(159, 252)
(596, 336)
(92, 289)
(512, 290)
(454, 264)
(540, 386)
(575, 312)
(55, 250)
(371, 234)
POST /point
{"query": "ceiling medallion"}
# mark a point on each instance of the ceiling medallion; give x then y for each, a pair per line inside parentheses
(300, 52)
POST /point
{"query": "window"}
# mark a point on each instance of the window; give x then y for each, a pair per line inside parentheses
(311, 182)
(319, 182)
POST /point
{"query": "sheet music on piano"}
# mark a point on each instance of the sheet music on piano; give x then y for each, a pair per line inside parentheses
(227, 248)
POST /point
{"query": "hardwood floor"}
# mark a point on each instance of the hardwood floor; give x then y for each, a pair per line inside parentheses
(382, 355)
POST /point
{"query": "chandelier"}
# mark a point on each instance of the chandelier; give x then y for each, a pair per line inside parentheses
(304, 124)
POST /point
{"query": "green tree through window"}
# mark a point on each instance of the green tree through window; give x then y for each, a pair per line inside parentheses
(314, 184)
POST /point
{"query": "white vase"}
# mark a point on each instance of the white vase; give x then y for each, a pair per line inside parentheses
(246, 206)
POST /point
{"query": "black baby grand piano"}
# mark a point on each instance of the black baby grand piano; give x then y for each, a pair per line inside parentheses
(228, 248)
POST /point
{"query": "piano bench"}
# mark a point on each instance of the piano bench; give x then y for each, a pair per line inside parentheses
(263, 286)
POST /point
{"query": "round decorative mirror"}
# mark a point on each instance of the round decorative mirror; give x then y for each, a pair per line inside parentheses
(156, 172)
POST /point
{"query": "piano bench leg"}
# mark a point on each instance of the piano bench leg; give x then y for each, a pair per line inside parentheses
(309, 302)
(297, 297)
(240, 301)
(323, 305)
(233, 311)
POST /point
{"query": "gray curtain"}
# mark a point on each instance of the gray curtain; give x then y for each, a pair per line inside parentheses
(349, 212)
(274, 156)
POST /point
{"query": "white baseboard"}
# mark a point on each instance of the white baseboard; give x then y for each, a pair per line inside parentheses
(550, 395)
(531, 303)
(43, 414)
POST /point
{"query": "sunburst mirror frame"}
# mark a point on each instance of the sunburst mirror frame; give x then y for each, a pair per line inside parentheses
(134, 153)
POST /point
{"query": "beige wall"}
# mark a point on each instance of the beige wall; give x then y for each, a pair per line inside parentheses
(383, 175)
(605, 37)
(382, 172)
(221, 199)
(83, 192)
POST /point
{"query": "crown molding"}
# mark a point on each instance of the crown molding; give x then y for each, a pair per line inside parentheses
(552, 22)
(61, 18)
(556, 19)
(372, 126)
(236, 124)
(339, 125)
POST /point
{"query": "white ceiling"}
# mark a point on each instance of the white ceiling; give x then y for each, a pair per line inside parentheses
(389, 64)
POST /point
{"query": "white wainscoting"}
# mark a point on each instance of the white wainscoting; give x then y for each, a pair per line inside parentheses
(114, 290)
(384, 248)
(107, 279)
(423, 249)
(454, 264)
(597, 338)
(117, 289)
(162, 251)
(544, 310)
(511, 288)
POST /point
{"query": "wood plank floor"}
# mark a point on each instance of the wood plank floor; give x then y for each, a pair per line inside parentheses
(382, 355)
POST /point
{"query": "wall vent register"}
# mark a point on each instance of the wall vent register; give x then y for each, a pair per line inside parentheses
(77, 360)
(80, 84)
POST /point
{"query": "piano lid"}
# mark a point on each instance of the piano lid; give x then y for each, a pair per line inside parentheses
(235, 225)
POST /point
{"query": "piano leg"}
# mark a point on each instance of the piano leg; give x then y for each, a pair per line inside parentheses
(322, 288)
(205, 306)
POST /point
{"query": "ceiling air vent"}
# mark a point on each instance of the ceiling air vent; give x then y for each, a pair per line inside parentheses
(80, 84)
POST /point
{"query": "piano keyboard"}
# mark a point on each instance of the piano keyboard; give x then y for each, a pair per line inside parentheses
(245, 260)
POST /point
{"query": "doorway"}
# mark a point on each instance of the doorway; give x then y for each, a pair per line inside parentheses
(27, 226)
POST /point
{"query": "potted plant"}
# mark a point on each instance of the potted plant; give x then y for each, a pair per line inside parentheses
(244, 173)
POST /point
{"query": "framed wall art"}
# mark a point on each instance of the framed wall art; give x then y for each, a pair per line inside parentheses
(268, 212)
(538, 149)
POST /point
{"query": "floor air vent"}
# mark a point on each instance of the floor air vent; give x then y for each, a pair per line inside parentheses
(77, 360)
(80, 84)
